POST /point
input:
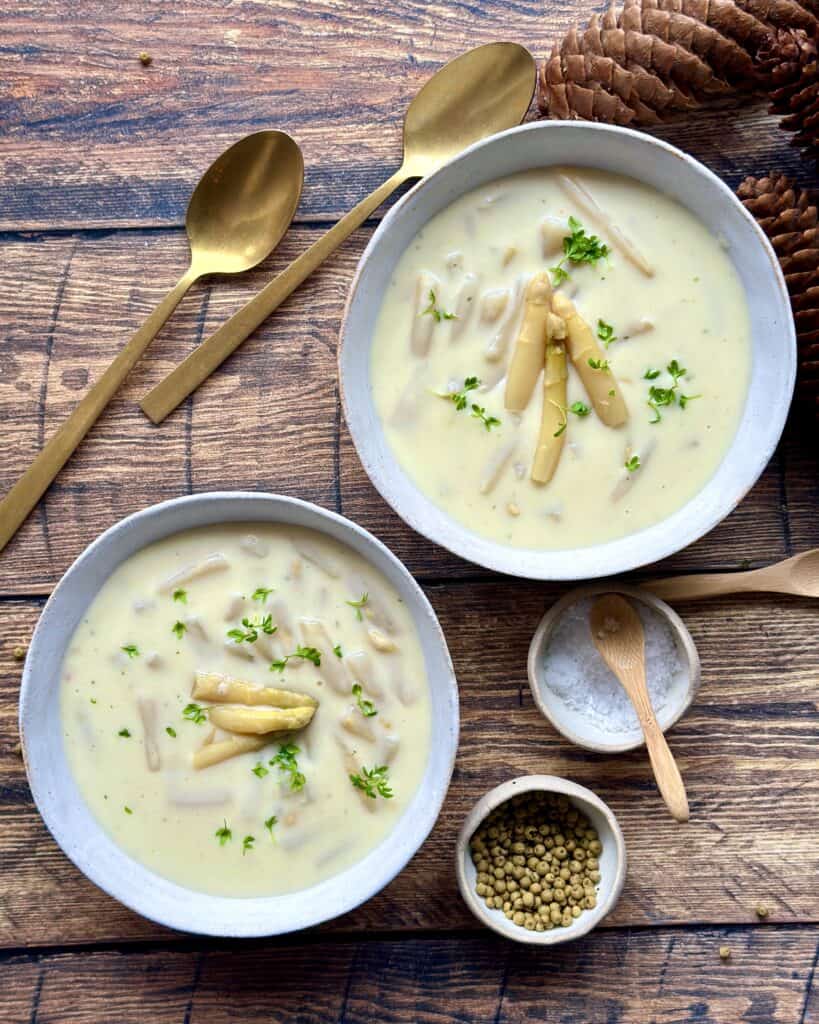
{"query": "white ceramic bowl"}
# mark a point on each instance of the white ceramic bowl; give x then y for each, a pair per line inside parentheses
(612, 860)
(665, 168)
(570, 722)
(77, 831)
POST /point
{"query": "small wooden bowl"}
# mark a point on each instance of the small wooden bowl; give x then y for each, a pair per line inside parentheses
(612, 859)
(572, 724)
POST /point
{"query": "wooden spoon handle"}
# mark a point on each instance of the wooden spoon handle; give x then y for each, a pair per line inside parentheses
(666, 772)
(689, 588)
(27, 491)
(214, 350)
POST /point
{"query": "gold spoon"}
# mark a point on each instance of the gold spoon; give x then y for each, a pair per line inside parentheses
(237, 214)
(798, 575)
(475, 95)
(617, 632)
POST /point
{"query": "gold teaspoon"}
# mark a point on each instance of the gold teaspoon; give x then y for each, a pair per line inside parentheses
(479, 93)
(237, 214)
(617, 631)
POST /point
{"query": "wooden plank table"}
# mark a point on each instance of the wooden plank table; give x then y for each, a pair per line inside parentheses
(97, 158)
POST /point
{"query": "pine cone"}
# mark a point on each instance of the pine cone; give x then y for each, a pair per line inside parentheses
(655, 59)
(790, 62)
(790, 219)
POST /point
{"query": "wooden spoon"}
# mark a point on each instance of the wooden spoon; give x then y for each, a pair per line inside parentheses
(617, 632)
(477, 94)
(237, 215)
(798, 575)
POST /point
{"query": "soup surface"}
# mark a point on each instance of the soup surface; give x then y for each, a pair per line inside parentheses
(561, 358)
(261, 788)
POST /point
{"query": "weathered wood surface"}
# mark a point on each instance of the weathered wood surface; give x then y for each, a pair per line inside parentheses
(657, 976)
(97, 160)
(92, 138)
(747, 751)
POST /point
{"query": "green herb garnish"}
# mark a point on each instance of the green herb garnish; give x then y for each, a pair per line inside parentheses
(605, 332)
(565, 421)
(338, 651)
(374, 782)
(181, 596)
(260, 771)
(435, 312)
(125, 733)
(223, 834)
(261, 594)
(633, 463)
(458, 398)
(660, 396)
(194, 713)
(247, 844)
(600, 364)
(359, 604)
(307, 653)
(269, 823)
(179, 629)
(578, 247)
(286, 761)
(93, 700)
(579, 409)
(127, 809)
(479, 413)
(366, 707)
(131, 650)
(169, 729)
(250, 632)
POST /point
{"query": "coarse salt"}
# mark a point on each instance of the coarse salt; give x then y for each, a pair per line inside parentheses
(575, 672)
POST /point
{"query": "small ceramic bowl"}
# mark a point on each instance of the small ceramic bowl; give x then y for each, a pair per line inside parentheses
(77, 831)
(661, 166)
(612, 859)
(572, 723)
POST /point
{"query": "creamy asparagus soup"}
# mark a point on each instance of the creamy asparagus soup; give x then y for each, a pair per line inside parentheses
(245, 708)
(561, 358)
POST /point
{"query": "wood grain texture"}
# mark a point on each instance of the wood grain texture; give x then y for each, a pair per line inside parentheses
(633, 977)
(92, 138)
(747, 751)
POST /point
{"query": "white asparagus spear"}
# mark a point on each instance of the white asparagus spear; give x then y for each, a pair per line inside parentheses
(601, 219)
(627, 478)
(495, 465)
(427, 287)
(361, 668)
(222, 750)
(464, 305)
(259, 720)
(353, 722)
(552, 233)
(527, 359)
(314, 634)
(314, 554)
(148, 717)
(213, 563)
(222, 689)
(493, 304)
(499, 342)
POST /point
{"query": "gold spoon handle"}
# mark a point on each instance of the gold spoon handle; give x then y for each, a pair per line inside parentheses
(212, 352)
(666, 773)
(27, 491)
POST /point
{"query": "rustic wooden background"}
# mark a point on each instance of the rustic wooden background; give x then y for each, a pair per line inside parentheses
(98, 156)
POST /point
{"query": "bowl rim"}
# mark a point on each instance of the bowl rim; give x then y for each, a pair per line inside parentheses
(548, 784)
(539, 564)
(549, 620)
(202, 913)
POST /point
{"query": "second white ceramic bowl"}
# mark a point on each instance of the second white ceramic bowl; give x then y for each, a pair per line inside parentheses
(619, 150)
(76, 830)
